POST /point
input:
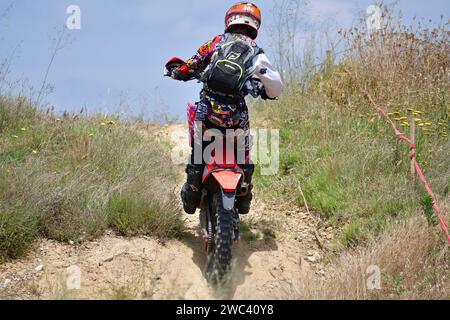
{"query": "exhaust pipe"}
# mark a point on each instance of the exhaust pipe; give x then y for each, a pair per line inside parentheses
(244, 190)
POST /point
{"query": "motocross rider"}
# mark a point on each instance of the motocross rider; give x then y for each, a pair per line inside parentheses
(218, 109)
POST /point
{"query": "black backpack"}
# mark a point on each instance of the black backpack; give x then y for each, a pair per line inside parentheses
(231, 65)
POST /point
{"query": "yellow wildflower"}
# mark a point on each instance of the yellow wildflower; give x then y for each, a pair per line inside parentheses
(405, 124)
(417, 120)
(428, 123)
(111, 122)
(16, 137)
(34, 152)
(23, 129)
(103, 124)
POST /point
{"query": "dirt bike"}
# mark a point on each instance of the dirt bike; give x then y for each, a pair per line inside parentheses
(219, 218)
(222, 183)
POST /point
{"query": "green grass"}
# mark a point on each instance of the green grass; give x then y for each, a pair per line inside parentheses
(427, 205)
(71, 178)
(352, 234)
(18, 229)
(253, 231)
(342, 154)
(246, 231)
(347, 163)
(134, 214)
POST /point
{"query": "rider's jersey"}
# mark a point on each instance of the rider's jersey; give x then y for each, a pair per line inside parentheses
(263, 68)
(218, 109)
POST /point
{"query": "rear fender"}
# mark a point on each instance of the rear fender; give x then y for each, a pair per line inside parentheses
(228, 181)
(228, 199)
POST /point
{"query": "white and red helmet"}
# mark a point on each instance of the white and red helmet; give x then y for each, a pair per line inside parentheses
(244, 14)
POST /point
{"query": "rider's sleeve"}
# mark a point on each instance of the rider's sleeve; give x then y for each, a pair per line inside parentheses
(269, 77)
(198, 62)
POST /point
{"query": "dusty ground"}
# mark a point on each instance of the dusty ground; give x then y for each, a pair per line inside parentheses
(282, 245)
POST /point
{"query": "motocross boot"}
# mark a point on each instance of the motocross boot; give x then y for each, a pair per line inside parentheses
(244, 201)
(191, 191)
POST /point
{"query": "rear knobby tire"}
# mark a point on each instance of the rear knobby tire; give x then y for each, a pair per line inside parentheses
(223, 241)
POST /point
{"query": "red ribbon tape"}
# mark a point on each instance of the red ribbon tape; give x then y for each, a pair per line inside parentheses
(412, 145)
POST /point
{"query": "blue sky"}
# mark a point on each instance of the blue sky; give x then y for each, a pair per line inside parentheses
(115, 62)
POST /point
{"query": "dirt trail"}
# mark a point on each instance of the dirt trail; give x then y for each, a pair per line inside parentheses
(265, 266)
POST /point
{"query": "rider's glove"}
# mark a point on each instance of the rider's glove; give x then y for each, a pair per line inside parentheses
(183, 73)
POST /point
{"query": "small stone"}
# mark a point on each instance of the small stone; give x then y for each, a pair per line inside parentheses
(6, 283)
(321, 272)
(108, 259)
(313, 256)
(311, 253)
(71, 242)
(39, 268)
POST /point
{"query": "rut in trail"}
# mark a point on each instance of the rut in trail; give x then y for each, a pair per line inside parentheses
(264, 267)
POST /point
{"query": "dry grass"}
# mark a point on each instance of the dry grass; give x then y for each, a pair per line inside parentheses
(413, 260)
(71, 178)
